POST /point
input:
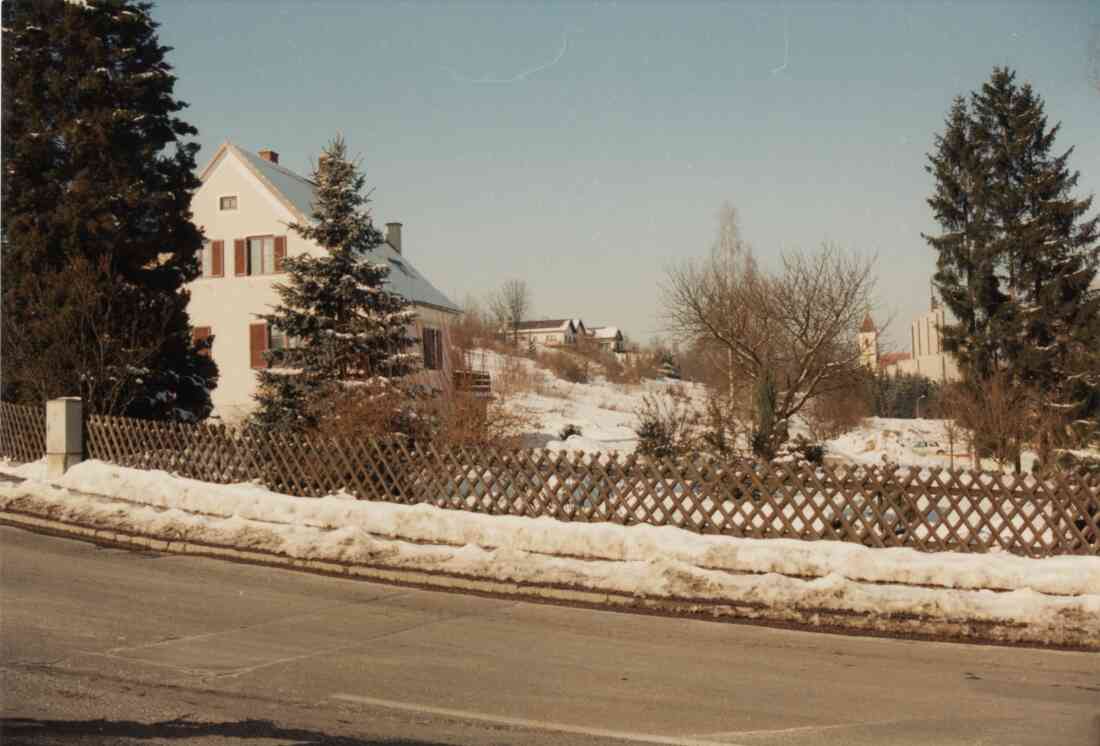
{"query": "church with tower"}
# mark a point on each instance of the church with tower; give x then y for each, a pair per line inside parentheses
(927, 358)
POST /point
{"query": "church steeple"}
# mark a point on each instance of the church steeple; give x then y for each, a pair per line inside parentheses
(868, 343)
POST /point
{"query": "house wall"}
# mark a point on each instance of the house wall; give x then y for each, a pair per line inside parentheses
(547, 339)
(929, 359)
(229, 304)
(925, 333)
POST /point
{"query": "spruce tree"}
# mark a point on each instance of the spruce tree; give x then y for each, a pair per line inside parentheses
(965, 274)
(98, 240)
(1047, 245)
(343, 328)
(1018, 251)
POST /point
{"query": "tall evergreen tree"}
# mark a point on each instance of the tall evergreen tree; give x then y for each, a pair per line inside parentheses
(965, 268)
(1018, 251)
(98, 240)
(1047, 244)
(343, 328)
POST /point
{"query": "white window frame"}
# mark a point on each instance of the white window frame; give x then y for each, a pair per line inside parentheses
(206, 258)
(266, 254)
(221, 201)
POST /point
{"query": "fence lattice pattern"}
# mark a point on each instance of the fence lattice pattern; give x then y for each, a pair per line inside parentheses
(22, 432)
(926, 509)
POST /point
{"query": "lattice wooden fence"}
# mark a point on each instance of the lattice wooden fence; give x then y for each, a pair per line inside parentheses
(926, 509)
(22, 432)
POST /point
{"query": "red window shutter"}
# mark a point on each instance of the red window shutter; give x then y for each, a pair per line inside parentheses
(257, 344)
(240, 257)
(217, 262)
(201, 334)
(280, 252)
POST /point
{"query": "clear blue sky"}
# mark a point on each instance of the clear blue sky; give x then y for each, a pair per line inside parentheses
(584, 147)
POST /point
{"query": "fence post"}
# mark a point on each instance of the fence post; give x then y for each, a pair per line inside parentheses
(64, 435)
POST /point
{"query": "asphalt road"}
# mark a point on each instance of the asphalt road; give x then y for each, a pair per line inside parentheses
(103, 646)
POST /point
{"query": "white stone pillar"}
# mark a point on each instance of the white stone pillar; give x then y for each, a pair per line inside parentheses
(64, 434)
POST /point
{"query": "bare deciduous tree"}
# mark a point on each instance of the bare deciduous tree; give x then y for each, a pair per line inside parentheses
(510, 304)
(799, 323)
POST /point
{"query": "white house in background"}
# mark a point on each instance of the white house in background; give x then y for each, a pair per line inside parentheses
(244, 205)
(547, 332)
(607, 338)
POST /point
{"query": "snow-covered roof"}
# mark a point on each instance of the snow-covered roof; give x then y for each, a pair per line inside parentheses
(605, 332)
(407, 281)
(297, 193)
(545, 325)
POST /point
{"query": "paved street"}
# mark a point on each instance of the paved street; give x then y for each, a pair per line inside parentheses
(104, 646)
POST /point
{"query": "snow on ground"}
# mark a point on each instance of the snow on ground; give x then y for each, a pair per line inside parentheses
(647, 545)
(910, 442)
(605, 412)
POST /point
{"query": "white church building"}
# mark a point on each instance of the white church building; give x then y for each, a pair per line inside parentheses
(927, 357)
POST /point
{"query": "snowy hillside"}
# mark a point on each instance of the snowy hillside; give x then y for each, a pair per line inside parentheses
(606, 414)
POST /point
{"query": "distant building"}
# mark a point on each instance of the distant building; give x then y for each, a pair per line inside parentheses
(546, 332)
(868, 343)
(927, 358)
(607, 338)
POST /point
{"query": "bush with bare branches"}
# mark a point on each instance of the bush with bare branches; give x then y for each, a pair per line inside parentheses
(667, 426)
(568, 367)
(797, 324)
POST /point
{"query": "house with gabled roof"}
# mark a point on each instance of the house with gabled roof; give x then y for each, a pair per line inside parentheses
(243, 206)
(545, 332)
(607, 338)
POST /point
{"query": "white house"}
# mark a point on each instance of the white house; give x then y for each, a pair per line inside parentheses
(547, 332)
(607, 338)
(244, 206)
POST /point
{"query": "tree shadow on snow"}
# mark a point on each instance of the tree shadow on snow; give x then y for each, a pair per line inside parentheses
(27, 731)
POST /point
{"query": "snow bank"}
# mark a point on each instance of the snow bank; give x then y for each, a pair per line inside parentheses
(605, 542)
(638, 562)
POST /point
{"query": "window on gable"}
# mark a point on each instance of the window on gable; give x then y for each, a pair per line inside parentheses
(261, 255)
(227, 203)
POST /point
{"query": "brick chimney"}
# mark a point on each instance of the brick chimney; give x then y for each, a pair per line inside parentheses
(393, 236)
(269, 155)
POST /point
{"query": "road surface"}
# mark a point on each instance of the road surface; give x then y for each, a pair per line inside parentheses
(102, 646)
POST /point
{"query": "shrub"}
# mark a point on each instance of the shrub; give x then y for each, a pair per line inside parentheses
(807, 450)
(839, 411)
(567, 367)
(568, 431)
(666, 427)
(721, 424)
(902, 395)
(1068, 462)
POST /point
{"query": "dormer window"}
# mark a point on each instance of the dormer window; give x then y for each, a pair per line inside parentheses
(227, 203)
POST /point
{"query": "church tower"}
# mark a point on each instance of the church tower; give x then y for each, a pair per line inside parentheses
(868, 344)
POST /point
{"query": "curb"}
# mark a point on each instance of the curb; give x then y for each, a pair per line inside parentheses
(907, 626)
